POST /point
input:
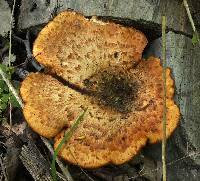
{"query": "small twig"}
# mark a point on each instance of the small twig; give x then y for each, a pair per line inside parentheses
(182, 158)
(164, 99)
(141, 170)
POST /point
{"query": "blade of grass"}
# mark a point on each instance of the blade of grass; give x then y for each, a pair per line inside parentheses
(68, 134)
(11, 88)
(9, 57)
(195, 38)
(63, 168)
(164, 21)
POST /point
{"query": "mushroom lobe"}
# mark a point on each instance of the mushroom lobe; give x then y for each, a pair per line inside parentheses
(75, 47)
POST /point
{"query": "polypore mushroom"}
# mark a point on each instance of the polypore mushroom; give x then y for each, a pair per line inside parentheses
(124, 100)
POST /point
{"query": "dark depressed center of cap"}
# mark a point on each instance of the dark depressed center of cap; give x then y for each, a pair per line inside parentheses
(110, 88)
(113, 89)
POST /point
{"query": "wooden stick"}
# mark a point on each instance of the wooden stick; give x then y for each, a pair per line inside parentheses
(164, 99)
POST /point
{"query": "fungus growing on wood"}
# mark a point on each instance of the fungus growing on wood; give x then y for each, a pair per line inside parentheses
(123, 97)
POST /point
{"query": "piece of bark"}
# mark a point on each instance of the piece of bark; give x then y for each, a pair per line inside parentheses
(35, 163)
(145, 13)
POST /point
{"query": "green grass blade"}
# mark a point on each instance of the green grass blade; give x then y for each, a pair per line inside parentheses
(68, 134)
(195, 38)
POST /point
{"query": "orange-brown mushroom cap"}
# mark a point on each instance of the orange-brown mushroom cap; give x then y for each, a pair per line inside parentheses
(125, 108)
(102, 65)
(74, 45)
